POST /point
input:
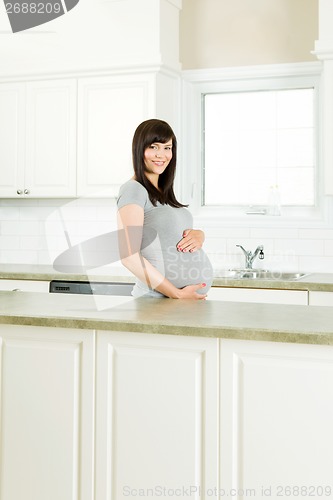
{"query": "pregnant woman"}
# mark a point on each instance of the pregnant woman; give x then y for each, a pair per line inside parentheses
(158, 244)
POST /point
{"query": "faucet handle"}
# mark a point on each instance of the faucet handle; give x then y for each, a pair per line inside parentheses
(261, 253)
(242, 248)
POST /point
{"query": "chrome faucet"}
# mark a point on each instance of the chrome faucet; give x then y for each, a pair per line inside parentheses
(249, 256)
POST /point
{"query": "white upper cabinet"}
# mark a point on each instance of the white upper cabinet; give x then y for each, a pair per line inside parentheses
(72, 137)
(51, 138)
(109, 110)
(12, 151)
(38, 139)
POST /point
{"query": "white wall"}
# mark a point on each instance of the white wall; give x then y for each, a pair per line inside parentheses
(96, 34)
(219, 33)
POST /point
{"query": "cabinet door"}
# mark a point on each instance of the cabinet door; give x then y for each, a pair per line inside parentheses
(24, 285)
(12, 133)
(110, 109)
(156, 421)
(268, 296)
(46, 413)
(50, 169)
(276, 412)
(321, 298)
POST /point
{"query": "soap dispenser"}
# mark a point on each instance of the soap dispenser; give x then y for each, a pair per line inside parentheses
(274, 204)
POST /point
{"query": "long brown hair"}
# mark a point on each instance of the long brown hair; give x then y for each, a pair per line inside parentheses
(146, 134)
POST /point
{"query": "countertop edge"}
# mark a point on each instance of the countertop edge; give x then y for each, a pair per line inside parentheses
(311, 282)
(218, 332)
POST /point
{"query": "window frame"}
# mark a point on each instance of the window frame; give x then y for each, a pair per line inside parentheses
(198, 83)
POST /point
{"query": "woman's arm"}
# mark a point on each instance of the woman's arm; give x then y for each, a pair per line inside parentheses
(131, 217)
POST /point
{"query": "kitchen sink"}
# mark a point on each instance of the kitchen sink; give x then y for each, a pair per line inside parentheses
(260, 274)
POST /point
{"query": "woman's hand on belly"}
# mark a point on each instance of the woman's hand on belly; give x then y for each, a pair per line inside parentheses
(192, 240)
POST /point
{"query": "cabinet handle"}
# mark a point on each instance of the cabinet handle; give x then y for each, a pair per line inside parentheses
(19, 191)
(26, 191)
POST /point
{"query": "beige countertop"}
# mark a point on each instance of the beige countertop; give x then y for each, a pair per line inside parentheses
(312, 281)
(47, 273)
(230, 320)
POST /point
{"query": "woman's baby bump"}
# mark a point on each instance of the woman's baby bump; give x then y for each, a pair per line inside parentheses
(187, 268)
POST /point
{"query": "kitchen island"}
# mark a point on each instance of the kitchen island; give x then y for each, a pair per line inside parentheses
(115, 397)
(278, 323)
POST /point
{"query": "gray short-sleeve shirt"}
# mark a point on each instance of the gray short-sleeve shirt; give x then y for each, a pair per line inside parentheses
(162, 229)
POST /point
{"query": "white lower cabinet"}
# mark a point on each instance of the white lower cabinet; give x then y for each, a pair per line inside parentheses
(156, 421)
(162, 416)
(24, 285)
(276, 413)
(46, 413)
(269, 296)
(321, 298)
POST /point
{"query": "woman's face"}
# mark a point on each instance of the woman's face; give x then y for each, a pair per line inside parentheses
(157, 157)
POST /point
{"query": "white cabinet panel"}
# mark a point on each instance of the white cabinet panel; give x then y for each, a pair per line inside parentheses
(46, 449)
(24, 285)
(156, 422)
(268, 296)
(12, 130)
(110, 109)
(38, 145)
(276, 418)
(51, 138)
(321, 298)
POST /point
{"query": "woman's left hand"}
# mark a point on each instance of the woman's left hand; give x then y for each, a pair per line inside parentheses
(192, 240)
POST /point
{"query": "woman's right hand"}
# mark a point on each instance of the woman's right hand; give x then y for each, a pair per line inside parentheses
(191, 292)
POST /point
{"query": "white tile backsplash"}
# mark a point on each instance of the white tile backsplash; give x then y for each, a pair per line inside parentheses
(20, 257)
(9, 242)
(18, 227)
(274, 233)
(315, 234)
(328, 247)
(316, 264)
(299, 247)
(33, 232)
(33, 243)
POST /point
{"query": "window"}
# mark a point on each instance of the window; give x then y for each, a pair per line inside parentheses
(250, 131)
(255, 142)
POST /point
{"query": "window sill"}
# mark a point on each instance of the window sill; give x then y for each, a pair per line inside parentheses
(236, 217)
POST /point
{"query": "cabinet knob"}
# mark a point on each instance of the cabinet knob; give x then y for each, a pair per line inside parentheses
(19, 191)
(26, 191)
